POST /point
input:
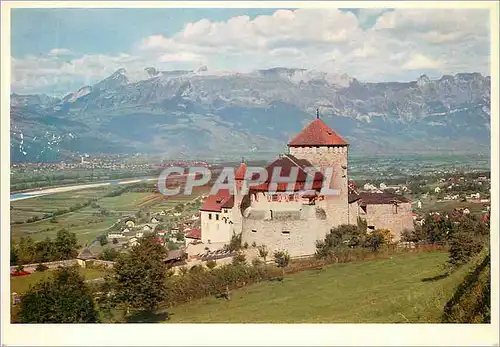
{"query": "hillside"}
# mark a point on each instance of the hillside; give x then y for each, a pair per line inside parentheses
(196, 113)
(407, 288)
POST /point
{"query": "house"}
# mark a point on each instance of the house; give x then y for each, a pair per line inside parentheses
(161, 232)
(115, 235)
(154, 220)
(84, 257)
(134, 241)
(193, 236)
(162, 213)
(177, 214)
(126, 230)
(175, 257)
(147, 228)
(466, 211)
(419, 204)
(437, 190)
(159, 240)
(130, 224)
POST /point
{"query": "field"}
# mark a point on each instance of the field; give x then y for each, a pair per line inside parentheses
(449, 205)
(406, 288)
(87, 223)
(21, 284)
(53, 202)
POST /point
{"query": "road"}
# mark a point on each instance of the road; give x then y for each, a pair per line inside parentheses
(47, 191)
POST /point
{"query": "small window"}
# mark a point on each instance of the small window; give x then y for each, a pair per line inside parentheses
(371, 227)
(271, 211)
(285, 232)
(216, 217)
(275, 197)
(209, 216)
(395, 208)
(254, 231)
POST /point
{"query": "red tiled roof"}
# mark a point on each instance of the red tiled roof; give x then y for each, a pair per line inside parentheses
(317, 133)
(240, 172)
(159, 240)
(214, 203)
(286, 163)
(194, 234)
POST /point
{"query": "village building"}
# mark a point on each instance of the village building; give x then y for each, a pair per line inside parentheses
(294, 220)
(84, 257)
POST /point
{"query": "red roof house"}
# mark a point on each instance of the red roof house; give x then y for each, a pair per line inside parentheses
(215, 203)
(194, 234)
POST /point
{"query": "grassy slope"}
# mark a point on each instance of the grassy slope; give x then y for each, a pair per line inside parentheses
(393, 290)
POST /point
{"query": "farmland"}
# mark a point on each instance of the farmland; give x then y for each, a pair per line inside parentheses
(88, 222)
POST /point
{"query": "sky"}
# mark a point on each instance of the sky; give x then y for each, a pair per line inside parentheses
(56, 51)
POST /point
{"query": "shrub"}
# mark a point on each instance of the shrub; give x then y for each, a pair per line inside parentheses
(196, 268)
(211, 264)
(245, 246)
(41, 268)
(375, 240)
(254, 244)
(183, 270)
(263, 252)
(180, 289)
(239, 259)
(115, 241)
(256, 262)
(282, 259)
(19, 268)
(234, 243)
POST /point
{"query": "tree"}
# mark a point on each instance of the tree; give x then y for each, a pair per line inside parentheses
(45, 250)
(263, 252)
(115, 241)
(65, 245)
(14, 253)
(103, 240)
(109, 254)
(65, 298)
(463, 246)
(282, 259)
(234, 243)
(26, 250)
(137, 281)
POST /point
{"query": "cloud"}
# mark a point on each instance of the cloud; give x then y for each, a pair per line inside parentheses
(398, 44)
(60, 51)
(420, 61)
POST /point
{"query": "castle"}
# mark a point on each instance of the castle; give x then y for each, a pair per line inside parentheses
(293, 222)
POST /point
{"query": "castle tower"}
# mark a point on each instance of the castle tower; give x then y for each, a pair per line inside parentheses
(239, 179)
(323, 148)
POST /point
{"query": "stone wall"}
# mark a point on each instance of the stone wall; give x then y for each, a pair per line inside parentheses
(354, 213)
(50, 265)
(336, 206)
(298, 236)
(386, 216)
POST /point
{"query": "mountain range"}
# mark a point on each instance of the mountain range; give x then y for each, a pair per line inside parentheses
(203, 114)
